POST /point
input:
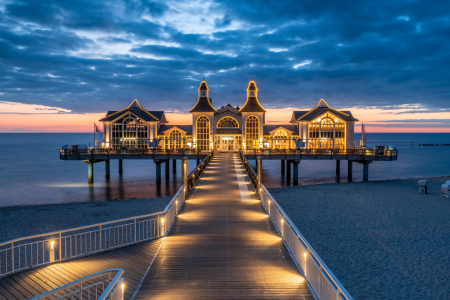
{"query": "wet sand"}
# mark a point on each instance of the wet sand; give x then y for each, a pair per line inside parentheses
(382, 239)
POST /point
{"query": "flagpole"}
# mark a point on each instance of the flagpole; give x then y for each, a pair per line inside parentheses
(94, 135)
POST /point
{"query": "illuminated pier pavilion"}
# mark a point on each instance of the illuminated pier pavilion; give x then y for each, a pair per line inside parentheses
(322, 133)
(229, 128)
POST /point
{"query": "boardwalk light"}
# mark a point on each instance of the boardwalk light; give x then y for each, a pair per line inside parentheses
(305, 254)
(52, 252)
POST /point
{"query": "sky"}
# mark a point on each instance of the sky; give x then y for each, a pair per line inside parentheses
(63, 64)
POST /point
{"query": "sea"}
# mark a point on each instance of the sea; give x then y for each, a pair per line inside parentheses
(31, 172)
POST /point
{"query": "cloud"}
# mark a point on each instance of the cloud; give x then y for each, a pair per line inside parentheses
(22, 108)
(93, 56)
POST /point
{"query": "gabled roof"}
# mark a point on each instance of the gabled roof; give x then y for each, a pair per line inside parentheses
(290, 127)
(164, 128)
(203, 104)
(228, 108)
(252, 104)
(136, 109)
(320, 109)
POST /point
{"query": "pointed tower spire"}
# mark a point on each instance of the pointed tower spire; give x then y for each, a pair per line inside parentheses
(203, 104)
(252, 104)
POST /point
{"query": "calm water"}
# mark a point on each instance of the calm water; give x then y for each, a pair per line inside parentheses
(31, 172)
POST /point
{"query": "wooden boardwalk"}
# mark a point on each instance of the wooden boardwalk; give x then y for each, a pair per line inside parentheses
(222, 246)
(135, 261)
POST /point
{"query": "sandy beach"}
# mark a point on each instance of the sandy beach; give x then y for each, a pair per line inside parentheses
(21, 221)
(382, 239)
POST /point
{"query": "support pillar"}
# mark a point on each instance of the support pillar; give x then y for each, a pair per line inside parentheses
(107, 165)
(120, 166)
(350, 171)
(158, 171)
(198, 160)
(90, 172)
(167, 169)
(283, 166)
(174, 166)
(259, 171)
(184, 169)
(288, 170)
(338, 167)
(366, 172)
(295, 179)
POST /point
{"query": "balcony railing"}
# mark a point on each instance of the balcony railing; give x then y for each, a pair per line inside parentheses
(363, 152)
(65, 152)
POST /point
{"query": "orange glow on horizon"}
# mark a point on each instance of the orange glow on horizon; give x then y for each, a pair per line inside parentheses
(73, 123)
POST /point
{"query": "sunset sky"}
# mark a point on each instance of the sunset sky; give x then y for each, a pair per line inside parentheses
(63, 64)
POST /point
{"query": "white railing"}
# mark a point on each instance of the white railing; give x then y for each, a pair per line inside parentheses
(43, 249)
(99, 286)
(39, 250)
(319, 277)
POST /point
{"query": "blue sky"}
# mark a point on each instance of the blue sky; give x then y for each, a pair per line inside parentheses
(90, 56)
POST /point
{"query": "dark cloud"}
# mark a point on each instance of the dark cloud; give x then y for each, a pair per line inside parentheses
(91, 56)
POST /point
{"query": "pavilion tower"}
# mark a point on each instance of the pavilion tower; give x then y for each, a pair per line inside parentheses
(202, 119)
(253, 119)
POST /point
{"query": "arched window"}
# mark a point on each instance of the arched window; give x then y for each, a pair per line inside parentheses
(252, 133)
(227, 122)
(203, 133)
(280, 139)
(130, 132)
(175, 139)
(327, 132)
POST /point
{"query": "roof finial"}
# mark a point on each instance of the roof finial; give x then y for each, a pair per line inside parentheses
(252, 77)
(203, 78)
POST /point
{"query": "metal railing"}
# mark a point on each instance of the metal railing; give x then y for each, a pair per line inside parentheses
(43, 249)
(100, 286)
(366, 152)
(186, 151)
(251, 173)
(197, 172)
(319, 277)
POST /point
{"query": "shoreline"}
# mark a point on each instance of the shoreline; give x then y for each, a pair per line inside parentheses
(21, 221)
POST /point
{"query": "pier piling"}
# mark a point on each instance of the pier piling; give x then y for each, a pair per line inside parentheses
(288, 171)
(158, 171)
(338, 167)
(167, 163)
(283, 167)
(107, 168)
(90, 172)
(120, 166)
(350, 171)
(295, 177)
(366, 172)
(174, 166)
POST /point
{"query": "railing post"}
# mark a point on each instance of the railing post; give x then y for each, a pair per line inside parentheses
(259, 168)
(184, 170)
(100, 239)
(60, 242)
(135, 233)
(12, 250)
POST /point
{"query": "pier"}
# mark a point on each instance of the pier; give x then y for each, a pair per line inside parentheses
(221, 236)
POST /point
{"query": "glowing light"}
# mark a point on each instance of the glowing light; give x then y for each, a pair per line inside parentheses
(162, 221)
(52, 243)
(305, 254)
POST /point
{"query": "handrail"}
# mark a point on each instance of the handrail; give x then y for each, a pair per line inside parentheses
(319, 277)
(43, 249)
(108, 293)
(296, 242)
(365, 151)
